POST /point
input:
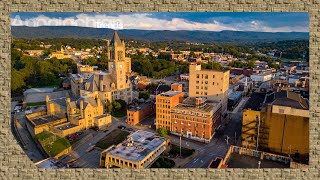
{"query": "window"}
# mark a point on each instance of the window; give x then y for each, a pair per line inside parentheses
(206, 76)
(205, 88)
(212, 76)
(206, 82)
(197, 92)
(212, 83)
(205, 93)
(197, 82)
(198, 75)
(197, 87)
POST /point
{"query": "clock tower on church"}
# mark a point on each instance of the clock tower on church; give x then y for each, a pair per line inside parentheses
(117, 64)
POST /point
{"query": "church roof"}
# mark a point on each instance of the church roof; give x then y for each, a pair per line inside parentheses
(94, 82)
(115, 39)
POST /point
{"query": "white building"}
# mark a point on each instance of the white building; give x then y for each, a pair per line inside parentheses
(261, 77)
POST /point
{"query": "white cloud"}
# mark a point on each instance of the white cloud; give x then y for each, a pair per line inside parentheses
(146, 22)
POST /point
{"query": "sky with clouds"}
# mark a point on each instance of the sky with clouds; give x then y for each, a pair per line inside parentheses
(205, 21)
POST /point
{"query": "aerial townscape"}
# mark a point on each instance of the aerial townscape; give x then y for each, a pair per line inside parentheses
(111, 103)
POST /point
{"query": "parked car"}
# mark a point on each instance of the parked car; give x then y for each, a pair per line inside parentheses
(95, 128)
(122, 127)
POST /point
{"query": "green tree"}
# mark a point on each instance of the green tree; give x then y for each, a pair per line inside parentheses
(116, 105)
(162, 132)
(192, 54)
(109, 106)
(144, 94)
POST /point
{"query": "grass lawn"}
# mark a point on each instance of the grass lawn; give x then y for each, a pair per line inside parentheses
(113, 138)
(163, 162)
(56, 147)
(74, 141)
(175, 150)
(36, 103)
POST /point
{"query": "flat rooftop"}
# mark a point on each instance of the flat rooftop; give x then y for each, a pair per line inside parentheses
(50, 163)
(139, 107)
(45, 119)
(244, 161)
(66, 126)
(102, 116)
(137, 146)
(170, 93)
(189, 104)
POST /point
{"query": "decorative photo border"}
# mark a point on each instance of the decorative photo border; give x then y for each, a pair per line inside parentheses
(16, 165)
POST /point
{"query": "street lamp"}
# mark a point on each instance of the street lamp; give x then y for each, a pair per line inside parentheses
(180, 141)
(227, 140)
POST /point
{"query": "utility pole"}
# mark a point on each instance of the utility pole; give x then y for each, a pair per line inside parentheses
(235, 138)
(180, 142)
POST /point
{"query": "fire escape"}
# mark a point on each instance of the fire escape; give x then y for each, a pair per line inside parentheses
(254, 129)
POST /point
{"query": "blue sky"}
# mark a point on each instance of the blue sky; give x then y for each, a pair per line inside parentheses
(207, 21)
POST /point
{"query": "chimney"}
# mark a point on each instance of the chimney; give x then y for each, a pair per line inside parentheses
(80, 80)
(47, 98)
(67, 100)
(98, 101)
(81, 109)
(101, 85)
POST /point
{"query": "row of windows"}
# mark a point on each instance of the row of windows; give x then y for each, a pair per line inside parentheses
(188, 124)
(205, 76)
(163, 106)
(163, 101)
(163, 122)
(163, 116)
(188, 131)
(206, 82)
(190, 118)
(163, 111)
(128, 164)
(202, 87)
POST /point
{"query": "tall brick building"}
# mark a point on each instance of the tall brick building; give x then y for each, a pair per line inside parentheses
(212, 84)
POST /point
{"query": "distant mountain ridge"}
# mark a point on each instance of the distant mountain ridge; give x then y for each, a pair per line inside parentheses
(155, 35)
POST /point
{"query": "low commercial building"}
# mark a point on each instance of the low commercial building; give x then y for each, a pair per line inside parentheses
(164, 104)
(196, 118)
(59, 55)
(240, 157)
(138, 113)
(41, 121)
(176, 87)
(140, 150)
(234, 99)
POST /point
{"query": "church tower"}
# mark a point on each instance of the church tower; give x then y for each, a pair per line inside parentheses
(117, 65)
